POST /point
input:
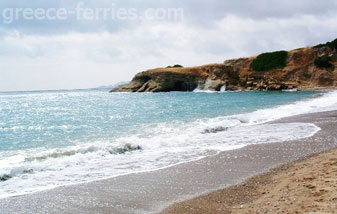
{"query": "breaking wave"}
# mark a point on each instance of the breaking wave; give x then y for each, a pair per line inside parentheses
(153, 147)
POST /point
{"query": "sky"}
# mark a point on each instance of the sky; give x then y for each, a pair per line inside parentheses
(85, 51)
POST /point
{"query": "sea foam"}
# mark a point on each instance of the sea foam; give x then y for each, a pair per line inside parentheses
(154, 147)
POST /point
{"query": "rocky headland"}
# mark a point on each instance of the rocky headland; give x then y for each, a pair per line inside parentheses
(304, 68)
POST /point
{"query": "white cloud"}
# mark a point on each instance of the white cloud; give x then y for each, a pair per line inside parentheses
(80, 60)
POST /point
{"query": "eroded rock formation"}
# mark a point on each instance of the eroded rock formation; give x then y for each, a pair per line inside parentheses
(236, 74)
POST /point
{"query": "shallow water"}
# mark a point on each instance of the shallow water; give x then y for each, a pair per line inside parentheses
(55, 138)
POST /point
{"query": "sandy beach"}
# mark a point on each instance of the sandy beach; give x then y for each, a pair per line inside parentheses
(305, 186)
(308, 185)
(168, 107)
(152, 192)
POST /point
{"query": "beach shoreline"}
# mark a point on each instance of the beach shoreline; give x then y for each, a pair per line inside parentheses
(296, 187)
(151, 192)
(315, 173)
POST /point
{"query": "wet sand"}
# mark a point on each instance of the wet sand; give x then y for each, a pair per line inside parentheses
(151, 192)
(305, 186)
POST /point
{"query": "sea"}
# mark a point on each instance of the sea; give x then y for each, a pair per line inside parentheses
(57, 138)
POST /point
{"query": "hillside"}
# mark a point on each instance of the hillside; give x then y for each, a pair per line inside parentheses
(301, 68)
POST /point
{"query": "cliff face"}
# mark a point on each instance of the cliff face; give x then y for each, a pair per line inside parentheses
(210, 77)
(300, 71)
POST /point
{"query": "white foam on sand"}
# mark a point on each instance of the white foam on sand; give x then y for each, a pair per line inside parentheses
(154, 147)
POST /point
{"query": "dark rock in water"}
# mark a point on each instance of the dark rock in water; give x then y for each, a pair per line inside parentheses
(126, 148)
(28, 171)
(5, 177)
(215, 130)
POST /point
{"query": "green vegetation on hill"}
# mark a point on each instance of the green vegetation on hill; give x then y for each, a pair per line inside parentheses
(332, 45)
(175, 66)
(269, 61)
(324, 62)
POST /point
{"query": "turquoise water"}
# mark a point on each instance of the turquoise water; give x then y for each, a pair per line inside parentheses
(59, 119)
(54, 138)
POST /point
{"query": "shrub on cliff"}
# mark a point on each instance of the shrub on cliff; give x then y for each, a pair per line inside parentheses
(323, 62)
(332, 45)
(269, 61)
(175, 66)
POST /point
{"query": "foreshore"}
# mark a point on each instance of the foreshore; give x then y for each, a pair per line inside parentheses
(153, 192)
(305, 186)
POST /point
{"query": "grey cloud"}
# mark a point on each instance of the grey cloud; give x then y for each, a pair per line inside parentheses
(257, 9)
(197, 12)
(101, 52)
(71, 24)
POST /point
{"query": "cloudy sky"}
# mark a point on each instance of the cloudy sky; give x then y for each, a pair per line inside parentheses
(38, 54)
